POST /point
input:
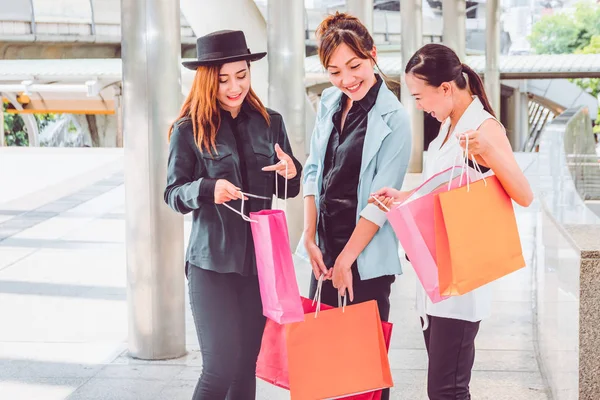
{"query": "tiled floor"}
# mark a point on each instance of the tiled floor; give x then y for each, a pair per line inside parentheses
(64, 316)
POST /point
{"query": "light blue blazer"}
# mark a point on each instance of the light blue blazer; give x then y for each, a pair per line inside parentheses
(385, 157)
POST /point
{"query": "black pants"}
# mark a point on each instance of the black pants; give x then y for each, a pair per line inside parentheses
(228, 315)
(378, 289)
(450, 346)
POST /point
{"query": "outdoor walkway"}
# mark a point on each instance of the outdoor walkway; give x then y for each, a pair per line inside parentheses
(63, 307)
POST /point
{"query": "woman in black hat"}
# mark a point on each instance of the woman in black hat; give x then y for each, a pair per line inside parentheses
(224, 148)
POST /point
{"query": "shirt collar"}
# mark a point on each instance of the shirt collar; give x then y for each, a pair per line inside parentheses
(241, 116)
(367, 102)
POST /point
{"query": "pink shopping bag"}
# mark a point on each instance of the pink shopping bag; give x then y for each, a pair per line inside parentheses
(276, 276)
(414, 224)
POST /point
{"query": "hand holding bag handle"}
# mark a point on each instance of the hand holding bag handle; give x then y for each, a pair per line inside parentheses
(465, 166)
(241, 212)
(437, 179)
(317, 297)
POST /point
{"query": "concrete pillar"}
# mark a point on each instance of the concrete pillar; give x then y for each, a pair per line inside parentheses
(492, 53)
(287, 93)
(1, 123)
(523, 118)
(454, 33)
(512, 118)
(363, 10)
(154, 233)
(411, 14)
(119, 115)
(517, 124)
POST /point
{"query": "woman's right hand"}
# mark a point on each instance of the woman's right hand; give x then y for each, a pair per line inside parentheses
(387, 197)
(226, 191)
(316, 260)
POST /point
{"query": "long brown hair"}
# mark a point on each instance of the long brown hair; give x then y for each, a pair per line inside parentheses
(436, 64)
(202, 107)
(342, 28)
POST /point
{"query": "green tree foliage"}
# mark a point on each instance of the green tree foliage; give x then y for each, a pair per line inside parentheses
(14, 130)
(565, 33)
(15, 133)
(575, 32)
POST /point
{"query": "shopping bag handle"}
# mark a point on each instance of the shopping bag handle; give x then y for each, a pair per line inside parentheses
(244, 194)
(381, 204)
(343, 306)
(241, 212)
(317, 297)
(465, 166)
(286, 186)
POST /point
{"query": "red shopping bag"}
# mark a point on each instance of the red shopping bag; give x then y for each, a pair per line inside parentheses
(272, 364)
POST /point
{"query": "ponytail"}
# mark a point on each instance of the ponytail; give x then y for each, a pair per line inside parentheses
(477, 88)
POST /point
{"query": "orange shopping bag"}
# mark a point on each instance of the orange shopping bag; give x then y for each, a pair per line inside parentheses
(476, 236)
(337, 353)
(272, 363)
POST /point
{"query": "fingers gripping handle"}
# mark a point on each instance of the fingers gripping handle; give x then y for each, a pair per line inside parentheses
(465, 166)
(317, 297)
(241, 212)
(380, 203)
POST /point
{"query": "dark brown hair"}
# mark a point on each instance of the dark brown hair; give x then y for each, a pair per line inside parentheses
(436, 64)
(342, 28)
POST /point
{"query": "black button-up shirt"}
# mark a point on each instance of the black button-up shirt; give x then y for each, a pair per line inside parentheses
(245, 152)
(341, 170)
(220, 239)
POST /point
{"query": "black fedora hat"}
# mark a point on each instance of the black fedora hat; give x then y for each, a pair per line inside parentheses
(222, 47)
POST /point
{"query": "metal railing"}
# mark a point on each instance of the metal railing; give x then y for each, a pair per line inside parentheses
(585, 169)
(539, 117)
(571, 134)
(582, 159)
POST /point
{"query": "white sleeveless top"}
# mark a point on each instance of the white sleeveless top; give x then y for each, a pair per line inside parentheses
(475, 305)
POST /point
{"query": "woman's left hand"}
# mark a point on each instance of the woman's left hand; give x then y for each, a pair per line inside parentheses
(478, 143)
(280, 167)
(342, 277)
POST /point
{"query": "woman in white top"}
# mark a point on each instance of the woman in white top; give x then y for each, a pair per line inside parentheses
(454, 94)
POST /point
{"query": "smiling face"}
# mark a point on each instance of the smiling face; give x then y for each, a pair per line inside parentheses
(234, 84)
(351, 74)
(436, 101)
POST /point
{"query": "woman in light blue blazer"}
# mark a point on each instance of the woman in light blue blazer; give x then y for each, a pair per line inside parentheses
(361, 143)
